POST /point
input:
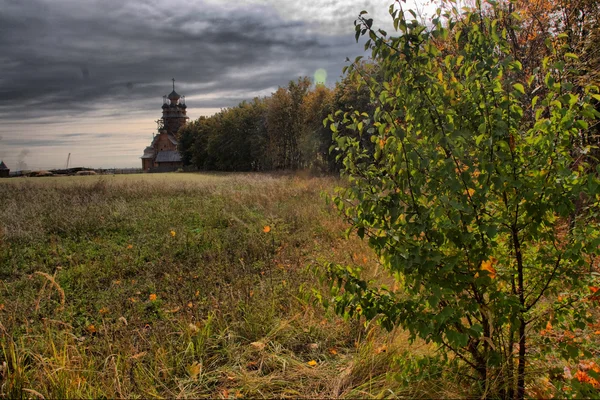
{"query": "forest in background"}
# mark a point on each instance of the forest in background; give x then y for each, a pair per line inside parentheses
(283, 131)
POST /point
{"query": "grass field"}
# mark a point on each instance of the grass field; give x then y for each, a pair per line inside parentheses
(182, 285)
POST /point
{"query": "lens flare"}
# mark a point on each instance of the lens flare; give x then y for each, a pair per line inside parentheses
(320, 76)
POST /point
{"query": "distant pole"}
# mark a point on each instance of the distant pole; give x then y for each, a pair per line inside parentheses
(68, 159)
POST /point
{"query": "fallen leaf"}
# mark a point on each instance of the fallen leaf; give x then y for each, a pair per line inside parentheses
(138, 355)
(258, 345)
(312, 346)
(333, 351)
(267, 229)
(194, 369)
(152, 297)
(312, 363)
(91, 329)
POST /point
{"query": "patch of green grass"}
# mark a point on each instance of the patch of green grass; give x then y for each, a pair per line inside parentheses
(166, 285)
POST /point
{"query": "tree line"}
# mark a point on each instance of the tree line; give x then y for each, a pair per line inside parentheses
(282, 131)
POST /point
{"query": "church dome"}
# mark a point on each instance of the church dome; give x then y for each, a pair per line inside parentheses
(173, 95)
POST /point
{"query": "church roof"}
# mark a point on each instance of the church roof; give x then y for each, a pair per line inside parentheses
(172, 139)
(168, 156)
(2, 165)
(148, 152)
(173, 95)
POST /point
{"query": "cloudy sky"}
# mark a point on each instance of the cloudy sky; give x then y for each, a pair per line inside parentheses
(87, 77)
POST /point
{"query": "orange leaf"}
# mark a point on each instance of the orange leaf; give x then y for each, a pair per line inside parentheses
(152, 297)
(267, 229)
(91, 329)
(487, 266)
(333, 351)
(312, 363)
(173, 233)
(594, 289)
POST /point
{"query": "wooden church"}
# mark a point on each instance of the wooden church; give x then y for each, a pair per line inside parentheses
(162, 154)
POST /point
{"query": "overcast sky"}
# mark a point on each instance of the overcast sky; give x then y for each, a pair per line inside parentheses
(87, 77)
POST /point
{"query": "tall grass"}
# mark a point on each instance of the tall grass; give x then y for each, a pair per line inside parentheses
(169, 286)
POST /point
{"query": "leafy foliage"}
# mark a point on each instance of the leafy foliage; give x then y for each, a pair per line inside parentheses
(477, 193)
(283, 131)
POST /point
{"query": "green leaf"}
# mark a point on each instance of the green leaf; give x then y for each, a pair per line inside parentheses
(519, 88)
(572, 56)
(457, 339)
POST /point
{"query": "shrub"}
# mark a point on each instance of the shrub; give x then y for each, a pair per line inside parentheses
(479, 197)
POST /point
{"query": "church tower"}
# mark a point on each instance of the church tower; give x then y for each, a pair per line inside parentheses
(174, 112)
(162, 154)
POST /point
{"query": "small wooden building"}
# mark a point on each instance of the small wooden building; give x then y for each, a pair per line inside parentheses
(162, 154)
(4, 171)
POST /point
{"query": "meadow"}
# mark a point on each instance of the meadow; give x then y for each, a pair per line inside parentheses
(184, 285)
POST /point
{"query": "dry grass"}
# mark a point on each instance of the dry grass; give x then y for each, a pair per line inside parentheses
(168, 286)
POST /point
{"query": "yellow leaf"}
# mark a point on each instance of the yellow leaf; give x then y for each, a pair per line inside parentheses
(312, 363)
(267, 229)
(91, 329)
(194, 370)
(173, 233)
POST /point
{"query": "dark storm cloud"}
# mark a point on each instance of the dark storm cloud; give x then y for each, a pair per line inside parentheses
(67, 58)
